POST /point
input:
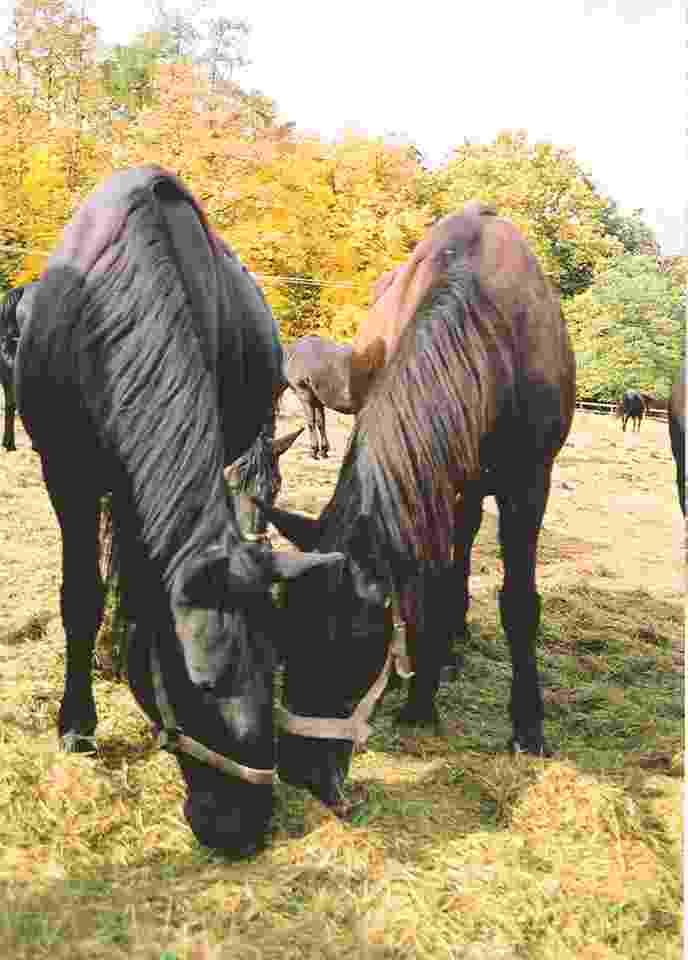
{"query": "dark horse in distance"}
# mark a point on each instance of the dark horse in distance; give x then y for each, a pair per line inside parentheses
(476, 398)
(150, 360)
(318, 371)
(677, 433)
(632, 406)
(11, 321)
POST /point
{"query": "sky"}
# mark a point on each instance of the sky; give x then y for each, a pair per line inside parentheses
(606, 77)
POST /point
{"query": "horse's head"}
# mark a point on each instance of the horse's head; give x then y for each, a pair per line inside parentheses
(210, 693)
(257, 474)
(339, 631)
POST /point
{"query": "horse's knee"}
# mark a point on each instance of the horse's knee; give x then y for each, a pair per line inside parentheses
(82, 609)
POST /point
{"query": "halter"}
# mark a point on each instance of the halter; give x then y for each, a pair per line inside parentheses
(172, 739)
(356, 728)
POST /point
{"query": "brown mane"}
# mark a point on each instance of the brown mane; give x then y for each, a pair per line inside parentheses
(454, 372)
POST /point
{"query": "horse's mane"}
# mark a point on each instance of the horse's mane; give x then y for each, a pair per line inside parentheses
(155, 400)
(257, 461)
(417, 438)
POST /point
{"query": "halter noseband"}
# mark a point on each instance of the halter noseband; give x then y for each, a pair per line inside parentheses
(174, 740)
(355, 727)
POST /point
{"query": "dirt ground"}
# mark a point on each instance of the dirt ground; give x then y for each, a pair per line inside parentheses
(613, 498)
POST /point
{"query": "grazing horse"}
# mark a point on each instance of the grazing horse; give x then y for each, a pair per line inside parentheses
(10, 329)
(631, 406)
(677, 433)
(476, 398)
(318, 371)
(150, 360)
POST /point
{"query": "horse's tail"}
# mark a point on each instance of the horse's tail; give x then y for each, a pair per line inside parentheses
(9, 327)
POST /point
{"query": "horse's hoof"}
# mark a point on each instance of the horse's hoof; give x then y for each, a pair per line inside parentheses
(315, 455)
(536, 748)
(73, 742)
(324, 454)
(451, 672)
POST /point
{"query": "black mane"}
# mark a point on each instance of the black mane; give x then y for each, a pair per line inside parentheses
(154, 370)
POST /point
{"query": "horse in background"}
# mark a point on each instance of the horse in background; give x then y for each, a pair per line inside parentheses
(476, 398)
(632, 406)
(337, 376)
(150, 359)
(12, 309)
(677, 433)
(318, 370)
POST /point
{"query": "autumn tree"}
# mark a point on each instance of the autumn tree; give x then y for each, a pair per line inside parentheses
(544, 190)
(224, 47)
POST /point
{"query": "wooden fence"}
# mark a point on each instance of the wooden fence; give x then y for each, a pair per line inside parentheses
(607, 408)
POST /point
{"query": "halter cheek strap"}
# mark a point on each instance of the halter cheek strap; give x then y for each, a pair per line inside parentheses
(355, 728)
(174, 740)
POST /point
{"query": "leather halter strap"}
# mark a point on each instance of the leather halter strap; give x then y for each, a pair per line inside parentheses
(174, 740)
(356, 726)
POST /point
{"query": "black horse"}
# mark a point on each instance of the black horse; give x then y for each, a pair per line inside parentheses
(11, 321)
(477, 398)
(632, 406)
(149, 361)
(677, 433)
(319, 372)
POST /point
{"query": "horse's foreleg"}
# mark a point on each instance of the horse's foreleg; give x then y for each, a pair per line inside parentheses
(308, 402)
(320, 424)
(520, 519)
(467, 523)
(444, 599)
(81, 603)
(10, 410)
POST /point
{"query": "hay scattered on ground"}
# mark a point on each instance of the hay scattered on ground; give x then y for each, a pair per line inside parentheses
(460, 852)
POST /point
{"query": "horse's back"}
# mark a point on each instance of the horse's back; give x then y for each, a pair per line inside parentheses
(534, 349)
(323, 367)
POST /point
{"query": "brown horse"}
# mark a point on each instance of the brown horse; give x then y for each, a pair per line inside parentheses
(318, 370)
(476, 398)
(677, 433)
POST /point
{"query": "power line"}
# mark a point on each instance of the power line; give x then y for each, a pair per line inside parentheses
(268, 278)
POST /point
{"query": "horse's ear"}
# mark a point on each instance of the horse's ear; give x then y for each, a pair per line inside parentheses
(299, 529)
(280, 445)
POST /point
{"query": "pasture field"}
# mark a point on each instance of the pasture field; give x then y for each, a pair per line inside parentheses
(460, 852)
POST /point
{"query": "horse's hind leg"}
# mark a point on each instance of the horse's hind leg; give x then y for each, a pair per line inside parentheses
(81, 601)
(520, 519)
(320, 424)
(10, 410)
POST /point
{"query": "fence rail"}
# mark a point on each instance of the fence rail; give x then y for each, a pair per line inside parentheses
(607, 408)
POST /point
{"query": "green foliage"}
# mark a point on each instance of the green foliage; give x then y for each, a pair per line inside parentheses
(630, 229)
(627, 330)
(545, 192)
(128, 74)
